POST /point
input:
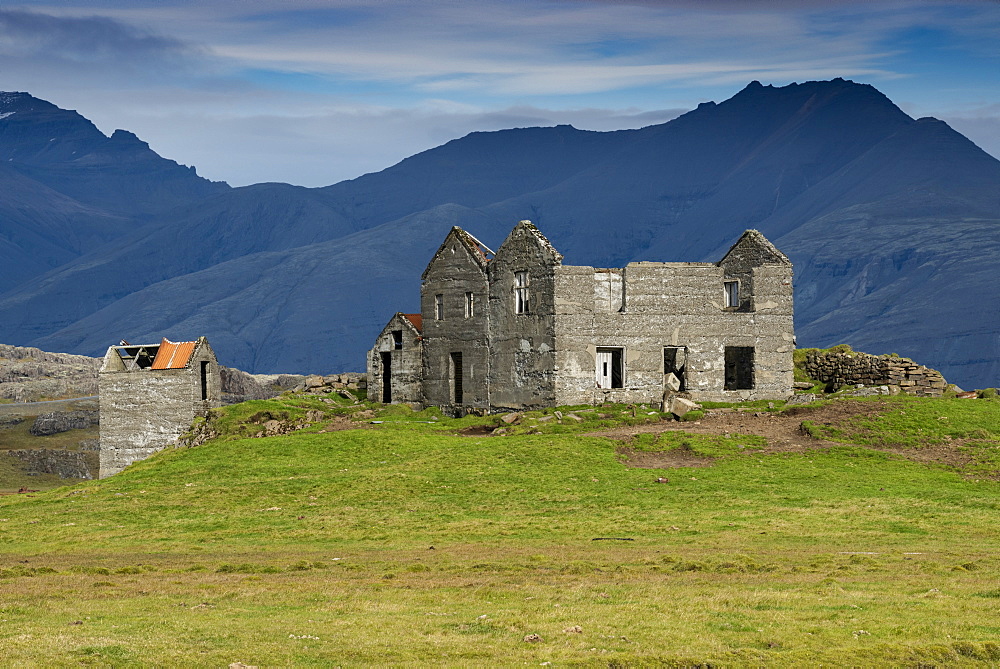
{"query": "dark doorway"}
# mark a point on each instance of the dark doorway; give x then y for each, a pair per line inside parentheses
(739, 367)
(675, 362)
(456, 376)
(387, 378)
(204, 379)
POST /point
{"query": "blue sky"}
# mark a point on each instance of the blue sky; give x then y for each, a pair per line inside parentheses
(312, 92)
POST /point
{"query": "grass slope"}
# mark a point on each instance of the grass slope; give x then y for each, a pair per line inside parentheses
(410, 543)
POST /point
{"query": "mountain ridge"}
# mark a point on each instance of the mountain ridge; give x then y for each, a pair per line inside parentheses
(807, 164)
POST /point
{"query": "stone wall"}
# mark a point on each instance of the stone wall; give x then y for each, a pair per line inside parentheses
(396, 364)
(455, 341)
(842, 368)
(146, 410)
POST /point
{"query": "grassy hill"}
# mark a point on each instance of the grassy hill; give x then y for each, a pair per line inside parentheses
(423, 539)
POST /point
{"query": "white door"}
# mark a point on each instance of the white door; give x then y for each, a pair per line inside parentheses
(603, 368)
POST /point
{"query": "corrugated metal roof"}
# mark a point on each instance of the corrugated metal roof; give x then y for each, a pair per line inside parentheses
(417, 320)
(173, 355)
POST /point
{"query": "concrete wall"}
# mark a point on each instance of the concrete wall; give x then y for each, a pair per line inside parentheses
(671, 305)
(145, 410)
(405, 364)
(454, 271)
(523, 367)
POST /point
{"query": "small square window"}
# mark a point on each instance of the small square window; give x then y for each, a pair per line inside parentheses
(732, 293)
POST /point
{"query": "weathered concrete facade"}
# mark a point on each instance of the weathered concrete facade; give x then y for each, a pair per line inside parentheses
(396, 363)
(553, 334)
(150, 395)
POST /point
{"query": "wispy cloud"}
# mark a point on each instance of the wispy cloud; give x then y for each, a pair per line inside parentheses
(311, 91)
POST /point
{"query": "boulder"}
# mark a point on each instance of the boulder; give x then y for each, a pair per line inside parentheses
(680, 406)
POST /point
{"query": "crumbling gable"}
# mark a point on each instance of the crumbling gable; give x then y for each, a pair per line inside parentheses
(150, 394)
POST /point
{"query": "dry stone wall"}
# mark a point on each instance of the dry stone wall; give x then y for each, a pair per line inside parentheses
(842, 368)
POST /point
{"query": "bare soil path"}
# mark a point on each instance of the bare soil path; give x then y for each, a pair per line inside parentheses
(783, 431)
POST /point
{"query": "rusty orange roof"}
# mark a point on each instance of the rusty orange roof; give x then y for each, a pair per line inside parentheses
(173, 355)
(417, 320)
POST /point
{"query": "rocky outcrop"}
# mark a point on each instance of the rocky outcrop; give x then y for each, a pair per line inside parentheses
(348, 381)
(62, 463)
(840, 368)
(239, 386)
(30, 374)
(55, 422)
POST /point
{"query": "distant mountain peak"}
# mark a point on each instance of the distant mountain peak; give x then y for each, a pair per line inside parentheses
(19, 101)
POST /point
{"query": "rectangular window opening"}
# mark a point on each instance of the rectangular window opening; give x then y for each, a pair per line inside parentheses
(610, 368)
(732, 293)
(520, 292)
(397, 339)
(739, 367)
(470, 305)
(439, 307)
(456, 376)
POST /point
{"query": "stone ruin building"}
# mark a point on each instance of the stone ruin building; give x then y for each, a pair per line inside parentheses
(518, 329)
(149, 396)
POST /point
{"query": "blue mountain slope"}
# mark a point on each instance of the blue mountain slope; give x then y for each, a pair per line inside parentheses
(891, 222)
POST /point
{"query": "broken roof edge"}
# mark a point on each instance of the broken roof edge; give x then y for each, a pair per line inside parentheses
(754, 236)
(473, 247)
(416, 321)
(529, 228)
(166, 354)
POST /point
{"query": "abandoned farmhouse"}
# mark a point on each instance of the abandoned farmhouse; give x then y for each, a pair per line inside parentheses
(518, 329)
(150, 395)
(514, 329)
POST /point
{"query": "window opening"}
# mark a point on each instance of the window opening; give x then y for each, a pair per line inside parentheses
(470, 305)
(732, 293)
(739, 367)
(456, 376)
(439, 307)
(675, 362)
(397, 339)
(204, 379)
(520, 292)
(387, 378)
(610, 371)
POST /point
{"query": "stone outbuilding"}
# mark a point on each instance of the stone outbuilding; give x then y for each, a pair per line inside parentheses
(150, 395)
(518, 329)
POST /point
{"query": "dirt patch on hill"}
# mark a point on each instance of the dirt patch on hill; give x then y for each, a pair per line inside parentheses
(675, 457)
(783, 431)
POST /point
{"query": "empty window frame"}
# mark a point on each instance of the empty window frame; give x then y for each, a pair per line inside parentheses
(439, 307)
(610, 371)
(739, 367)
(675, 362)
(397, 339)
(470, 305)
(456, 377)
(521, 292)
(732, 289)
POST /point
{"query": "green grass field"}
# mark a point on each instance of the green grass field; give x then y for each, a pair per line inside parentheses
(425, 540)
